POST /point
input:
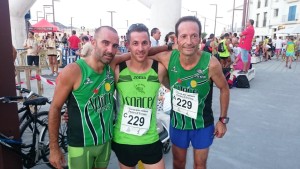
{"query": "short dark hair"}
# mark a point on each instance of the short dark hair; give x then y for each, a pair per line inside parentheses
(211, 36)
(251, 21)
(137, 27)
(73, 32)
(185, 19)
(101, 27)
(153, 31)
(167, 36)
(31, 32)
(235, 34)
(226, 35)
(85, 38)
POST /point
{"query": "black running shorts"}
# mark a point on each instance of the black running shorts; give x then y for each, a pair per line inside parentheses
(129, 155)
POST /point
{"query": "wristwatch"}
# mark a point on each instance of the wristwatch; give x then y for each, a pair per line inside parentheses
(224, 120)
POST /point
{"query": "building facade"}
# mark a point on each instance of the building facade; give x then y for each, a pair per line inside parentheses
(271, 16)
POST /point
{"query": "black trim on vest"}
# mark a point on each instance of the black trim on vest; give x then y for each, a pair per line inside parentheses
(122, 66)
(155, 66)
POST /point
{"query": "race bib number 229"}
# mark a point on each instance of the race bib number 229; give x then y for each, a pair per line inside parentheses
(135, 120)
(185, 103)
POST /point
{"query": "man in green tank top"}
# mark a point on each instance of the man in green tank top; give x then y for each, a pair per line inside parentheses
(225, 56)
(192, 74)
(88, 85)
(137, 83)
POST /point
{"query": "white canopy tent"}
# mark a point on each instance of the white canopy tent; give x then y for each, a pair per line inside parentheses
(290, 30)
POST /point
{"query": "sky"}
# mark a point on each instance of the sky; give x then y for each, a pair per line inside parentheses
(88, 13)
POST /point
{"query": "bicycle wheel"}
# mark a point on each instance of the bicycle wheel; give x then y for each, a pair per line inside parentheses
(30, 147)
(62, 141)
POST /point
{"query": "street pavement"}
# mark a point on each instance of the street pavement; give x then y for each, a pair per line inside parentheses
(264, 129)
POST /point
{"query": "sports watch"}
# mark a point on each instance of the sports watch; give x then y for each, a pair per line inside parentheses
(224, 120)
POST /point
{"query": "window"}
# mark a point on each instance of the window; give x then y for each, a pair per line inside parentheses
(258, 4)
(276, 12)
(292, 13)
(266, 3)
(257, 19)
(265, 19)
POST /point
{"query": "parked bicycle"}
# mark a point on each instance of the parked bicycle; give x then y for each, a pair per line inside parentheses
(34, 145)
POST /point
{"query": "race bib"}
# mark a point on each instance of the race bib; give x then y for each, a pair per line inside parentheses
(135, 120)
(185, 103)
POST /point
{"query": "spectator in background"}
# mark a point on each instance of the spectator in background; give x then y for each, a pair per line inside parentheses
(14, 53)
(74, 43)
(122, 47)
(202, 45)
(211, 44)
(270, 49)
(170, 38)
(246, 44)
(278, 46)
(88, 35)
(52, 54)
(238, 62)
(290, 51)
(32, 47)
(225, 59)
(86, 48)
(298, 49)
(155, 36)
(234, 38)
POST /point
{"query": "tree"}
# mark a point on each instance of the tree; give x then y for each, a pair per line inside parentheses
(203, 35)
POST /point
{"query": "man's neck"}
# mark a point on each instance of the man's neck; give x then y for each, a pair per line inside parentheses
(138, 67)
(97, 66)
(189, 62)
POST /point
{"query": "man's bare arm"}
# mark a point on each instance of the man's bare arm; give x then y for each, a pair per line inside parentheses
(216, 74)
(163, 75)
(65, 83)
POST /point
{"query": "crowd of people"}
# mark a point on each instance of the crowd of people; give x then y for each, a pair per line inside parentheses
(287, 48)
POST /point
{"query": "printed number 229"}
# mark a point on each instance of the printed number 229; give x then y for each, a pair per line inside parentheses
(136, 121)
(183, 103)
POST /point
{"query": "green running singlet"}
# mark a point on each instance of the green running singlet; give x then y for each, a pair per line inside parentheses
(90, 107)
(226, 53)
(137, 97)
(191, 92)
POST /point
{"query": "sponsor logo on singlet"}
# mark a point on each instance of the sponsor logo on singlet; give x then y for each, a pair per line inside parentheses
(145, 102)
(100, 103)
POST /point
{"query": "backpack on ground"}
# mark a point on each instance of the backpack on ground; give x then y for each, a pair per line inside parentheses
(242, 82)
(221, 47)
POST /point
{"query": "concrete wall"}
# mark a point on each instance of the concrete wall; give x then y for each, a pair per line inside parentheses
(164, 15)
(18, 9)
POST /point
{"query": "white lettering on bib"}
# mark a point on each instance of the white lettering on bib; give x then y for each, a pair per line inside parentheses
(185, 103)
(135, 120)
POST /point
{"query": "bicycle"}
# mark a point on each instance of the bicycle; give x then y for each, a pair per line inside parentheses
(34, 133)
(27, 112)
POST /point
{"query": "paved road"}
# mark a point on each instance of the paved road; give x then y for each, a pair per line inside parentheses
(263, 132)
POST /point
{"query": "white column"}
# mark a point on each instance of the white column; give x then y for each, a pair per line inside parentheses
(163, 15)
(18, 9)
